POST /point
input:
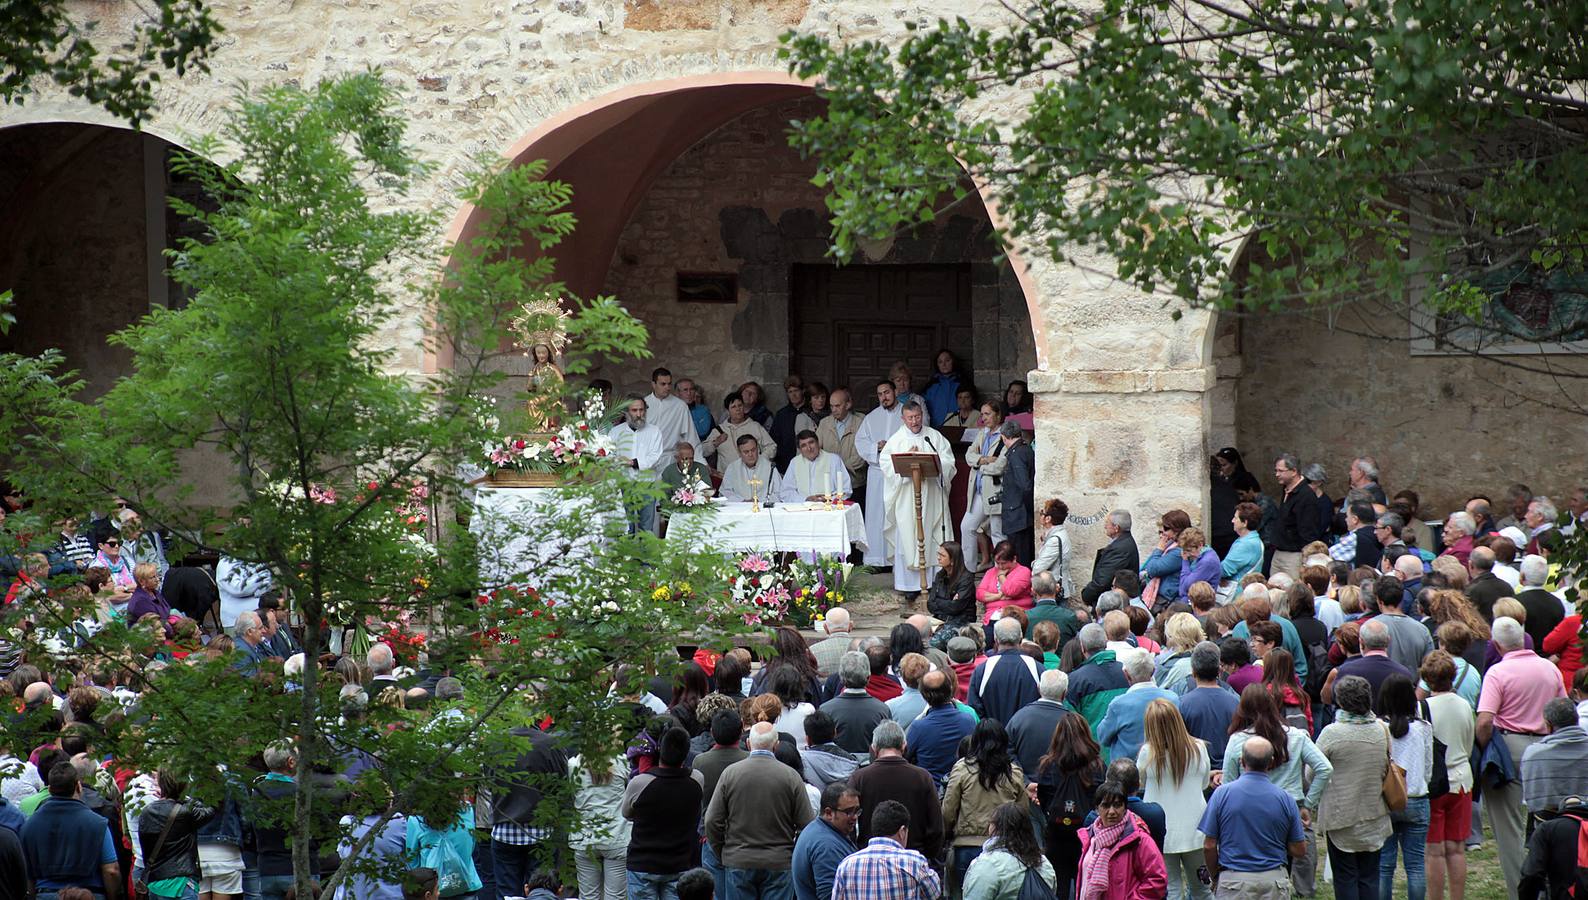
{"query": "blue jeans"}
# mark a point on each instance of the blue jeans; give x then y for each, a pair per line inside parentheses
(251, 883)
(274, 887)
(963, 857)
(710, 862)
(482, 867)
(512, 864)
(759, 884)
(651, 886)
(1355, 874)
(1411, 836)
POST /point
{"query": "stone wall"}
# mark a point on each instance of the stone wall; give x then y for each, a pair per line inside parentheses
(1444, 426)
(1120, 386)
(741, 201)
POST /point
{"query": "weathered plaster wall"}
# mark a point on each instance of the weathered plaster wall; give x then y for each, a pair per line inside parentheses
(1446, 427)
(1121, 386)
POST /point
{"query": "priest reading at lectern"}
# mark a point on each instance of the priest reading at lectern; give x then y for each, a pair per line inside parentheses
(899, 492)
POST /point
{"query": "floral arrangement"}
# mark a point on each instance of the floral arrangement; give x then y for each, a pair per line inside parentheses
(798, 593)
(580, 440)
(694, 494)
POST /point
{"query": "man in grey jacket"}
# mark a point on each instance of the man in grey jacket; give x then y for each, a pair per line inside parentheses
(755, 817)
(1557, 766)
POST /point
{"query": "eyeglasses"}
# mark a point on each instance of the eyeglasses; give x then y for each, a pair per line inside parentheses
(112, 543)
(849, 810)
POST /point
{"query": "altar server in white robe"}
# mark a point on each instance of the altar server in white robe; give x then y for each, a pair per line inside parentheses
(916, 437)
(813, 473)
(875, 429)
(669, 415)
(750, 465)
(640, 448)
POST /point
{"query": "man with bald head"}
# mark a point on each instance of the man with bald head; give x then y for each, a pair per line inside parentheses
(932, 741)
(1374, 664)
(1252, 828)
(1485, 587)
(829, 651)
(923, 623)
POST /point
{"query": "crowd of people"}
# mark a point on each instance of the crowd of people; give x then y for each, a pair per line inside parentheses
(1299, 689)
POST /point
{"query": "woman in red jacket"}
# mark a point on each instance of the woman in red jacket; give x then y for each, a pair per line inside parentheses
(1565, 647)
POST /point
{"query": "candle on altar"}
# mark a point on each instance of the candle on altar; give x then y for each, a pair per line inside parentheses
(827, 482)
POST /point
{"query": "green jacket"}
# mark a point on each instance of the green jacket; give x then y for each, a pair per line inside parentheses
(1093, 686)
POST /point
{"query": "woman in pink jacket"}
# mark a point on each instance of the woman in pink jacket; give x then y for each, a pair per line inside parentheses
(1007, 583)
(1119, 861)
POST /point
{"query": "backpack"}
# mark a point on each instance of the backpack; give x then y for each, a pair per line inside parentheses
(1071, 801)
(1439, 777)
(1034, 888)
(1578, 888)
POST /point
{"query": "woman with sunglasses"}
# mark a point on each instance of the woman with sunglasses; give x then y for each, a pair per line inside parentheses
(111, 559)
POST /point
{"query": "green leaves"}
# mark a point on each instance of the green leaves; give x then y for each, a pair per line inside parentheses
(38, 38)
(1345, 138)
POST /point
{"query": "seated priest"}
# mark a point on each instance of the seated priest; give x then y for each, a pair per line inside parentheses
(684, 470)
(750, 466)
(814, 473)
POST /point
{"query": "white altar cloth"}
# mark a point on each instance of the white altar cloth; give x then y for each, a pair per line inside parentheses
(791, 528)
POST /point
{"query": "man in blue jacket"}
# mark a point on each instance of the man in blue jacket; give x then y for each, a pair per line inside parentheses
(824, 843)
(1007, 680)
(932, 741)
(67, 844)
(1121, 731)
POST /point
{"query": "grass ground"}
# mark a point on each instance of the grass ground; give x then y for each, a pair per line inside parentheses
(1485, 881)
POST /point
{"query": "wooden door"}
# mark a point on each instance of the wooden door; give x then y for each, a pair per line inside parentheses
(849, 324)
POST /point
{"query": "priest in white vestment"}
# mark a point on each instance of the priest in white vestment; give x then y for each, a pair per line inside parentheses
(639, 447)
(750, 466)
(669, 415)
(814, 473)
(875, 429)
(901, 535)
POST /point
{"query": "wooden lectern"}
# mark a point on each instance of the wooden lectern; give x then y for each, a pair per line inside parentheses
(917, 467)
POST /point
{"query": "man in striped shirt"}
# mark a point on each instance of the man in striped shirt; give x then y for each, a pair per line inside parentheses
(885, 870)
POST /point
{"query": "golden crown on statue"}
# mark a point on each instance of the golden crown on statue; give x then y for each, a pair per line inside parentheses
(541, 320)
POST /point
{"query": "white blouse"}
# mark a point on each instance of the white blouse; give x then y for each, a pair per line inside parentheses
(1415, 754)
(1182, 803)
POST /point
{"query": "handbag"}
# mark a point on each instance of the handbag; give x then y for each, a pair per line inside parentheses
(140, 888)
(452, 875)
(1394, 788)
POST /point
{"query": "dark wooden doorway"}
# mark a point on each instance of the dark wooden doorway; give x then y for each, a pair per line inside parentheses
(849, 324)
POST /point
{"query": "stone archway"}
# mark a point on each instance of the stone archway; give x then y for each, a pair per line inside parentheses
(613, 147)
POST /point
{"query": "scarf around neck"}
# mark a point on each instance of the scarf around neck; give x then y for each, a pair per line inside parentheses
(1099, 854)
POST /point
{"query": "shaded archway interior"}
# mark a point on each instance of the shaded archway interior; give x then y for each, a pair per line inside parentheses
(82, 245)
(613, 154)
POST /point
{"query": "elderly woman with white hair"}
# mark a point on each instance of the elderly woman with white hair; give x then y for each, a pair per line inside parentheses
(1459, 534)
(1181, 634)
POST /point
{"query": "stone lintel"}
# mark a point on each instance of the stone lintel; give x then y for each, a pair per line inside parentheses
(1137, 381)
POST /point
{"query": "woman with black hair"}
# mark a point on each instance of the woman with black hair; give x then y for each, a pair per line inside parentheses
(789, 651)
(903, 639)
(1008, 858)
(688, 687)
(1118, 856)
(1412, 748)
(952, 596)
(984, 779)
(1226, 466)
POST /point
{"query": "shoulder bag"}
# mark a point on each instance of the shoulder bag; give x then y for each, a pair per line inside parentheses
(140, 888)
(1394, 788)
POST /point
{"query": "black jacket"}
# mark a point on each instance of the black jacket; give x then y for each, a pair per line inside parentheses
(1552, 859)
(1298, 523)
(178, 855)
(516, 793)
(1544, 612)
(952, 602)
(1019, 487)
(1485, 589)
(1120, 555)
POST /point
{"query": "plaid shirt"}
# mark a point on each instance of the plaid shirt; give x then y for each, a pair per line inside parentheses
(886, 871)
(519, 835)
(1344, 549)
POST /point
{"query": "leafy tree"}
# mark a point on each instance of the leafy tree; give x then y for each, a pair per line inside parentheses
(41, 38)
(278, 372)
(1372, 154)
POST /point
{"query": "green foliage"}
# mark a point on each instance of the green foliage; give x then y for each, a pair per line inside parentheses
(277, 374)
(1363, 147)
(40, 39)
